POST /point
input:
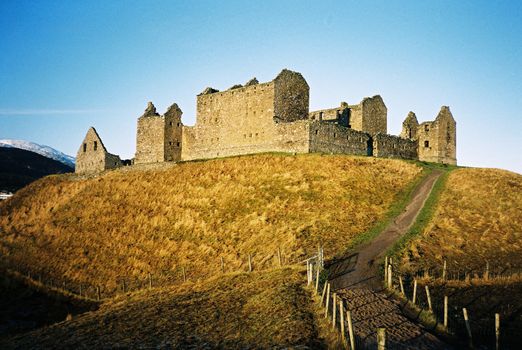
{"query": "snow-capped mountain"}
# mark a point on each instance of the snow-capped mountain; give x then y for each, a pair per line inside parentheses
(45, 151)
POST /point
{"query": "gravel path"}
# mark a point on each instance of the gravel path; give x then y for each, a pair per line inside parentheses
(356, 280)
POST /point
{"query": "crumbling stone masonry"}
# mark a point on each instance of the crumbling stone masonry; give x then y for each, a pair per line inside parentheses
(158, 138)
(92, 157)
(436, 140)
(275, 117)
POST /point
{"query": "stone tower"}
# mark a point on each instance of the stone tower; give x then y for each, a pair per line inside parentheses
(92, 157)
(437, 140)
(369, 116)
(159, 136)
(410, 127)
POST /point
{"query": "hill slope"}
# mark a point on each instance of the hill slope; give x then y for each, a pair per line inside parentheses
(20, 167)
(127, 223)
(478, 219)
(236, 311)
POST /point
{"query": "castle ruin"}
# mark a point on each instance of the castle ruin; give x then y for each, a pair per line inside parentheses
(275, 117)
(92, 157)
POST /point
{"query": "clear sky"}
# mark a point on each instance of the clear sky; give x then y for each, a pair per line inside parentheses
(68, 65)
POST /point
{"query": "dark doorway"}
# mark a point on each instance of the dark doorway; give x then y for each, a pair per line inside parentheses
(369, 147)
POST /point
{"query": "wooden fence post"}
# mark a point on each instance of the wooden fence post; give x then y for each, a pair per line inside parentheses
(468, 328)
(222, 265)
(324, 292)
(390, 277)
(334, 311)
(98, 292)
(401, 285)
(486, 274)
(150, 280)
(381, 338)
(428, 297)
(317, 279)
(414, 291)
(123, 285)
(184, 274)
(327, 300)
(249, 263)
(341, 314)
(446, 312)
(385, 270)
(279, 257)
(350, 330)
(497, 331)
(444, 270)
(308, 272)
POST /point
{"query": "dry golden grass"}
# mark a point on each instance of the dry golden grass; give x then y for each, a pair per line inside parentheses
(134, 221)
(236, 311)
(478, 219)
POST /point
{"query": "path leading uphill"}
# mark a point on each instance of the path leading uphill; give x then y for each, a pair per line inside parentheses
(355, 278)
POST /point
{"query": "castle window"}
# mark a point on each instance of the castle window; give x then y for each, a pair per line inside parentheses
(170, 123)
(426, 128)
(170, 143)
(215, 120)
(257, 134)
(316, 132)
(426, 144)
(177, 144)
(84, 147)
(335, 135)
(349, 126)
(95, 145)
(178, 124)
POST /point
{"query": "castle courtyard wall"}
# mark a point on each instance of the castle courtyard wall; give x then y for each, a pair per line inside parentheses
(390, 146)
(332, 138)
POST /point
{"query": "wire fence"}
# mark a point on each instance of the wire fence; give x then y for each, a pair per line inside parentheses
(466, 310)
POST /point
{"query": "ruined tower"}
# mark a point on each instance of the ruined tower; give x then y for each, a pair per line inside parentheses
(92, 157)
(437, 139)
(158, 137)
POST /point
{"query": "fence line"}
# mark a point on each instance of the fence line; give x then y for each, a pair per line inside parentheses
(476, 328)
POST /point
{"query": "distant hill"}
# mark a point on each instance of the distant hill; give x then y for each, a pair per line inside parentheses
(19, 167)
(45, 151)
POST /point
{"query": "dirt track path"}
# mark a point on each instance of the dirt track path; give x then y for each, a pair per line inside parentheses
(356, 280)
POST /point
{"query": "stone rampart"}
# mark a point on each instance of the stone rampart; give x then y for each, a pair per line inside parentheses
(390, 146)
(333, 138)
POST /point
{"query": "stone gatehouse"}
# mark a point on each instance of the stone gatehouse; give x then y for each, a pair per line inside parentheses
(275, 117)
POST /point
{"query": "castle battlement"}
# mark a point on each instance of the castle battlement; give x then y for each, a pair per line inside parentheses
(274, 117)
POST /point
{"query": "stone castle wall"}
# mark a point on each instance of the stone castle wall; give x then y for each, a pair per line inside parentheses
(173, 134)
(249, 119)
(150, 137)
(390, 146)
(274, 117)
(333, 138)
(437, 139)
(92, 156)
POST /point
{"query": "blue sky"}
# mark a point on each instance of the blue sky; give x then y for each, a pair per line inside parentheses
(67, 65)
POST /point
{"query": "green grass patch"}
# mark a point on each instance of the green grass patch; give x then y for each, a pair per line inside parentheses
(403, 198)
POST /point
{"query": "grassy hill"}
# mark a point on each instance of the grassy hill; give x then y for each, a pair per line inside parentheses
(19, 168)
(475, 225)
(235, 311)
(125, 224)
(478, 219)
